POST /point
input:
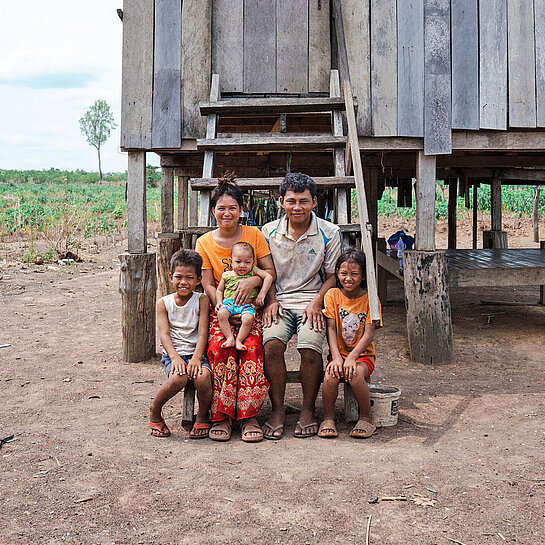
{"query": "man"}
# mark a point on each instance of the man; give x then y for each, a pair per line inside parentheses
(304, 249)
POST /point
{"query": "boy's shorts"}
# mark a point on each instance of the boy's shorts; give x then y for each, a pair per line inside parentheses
(237, 309)
(289, 325)
(167, 362)
(362, 359)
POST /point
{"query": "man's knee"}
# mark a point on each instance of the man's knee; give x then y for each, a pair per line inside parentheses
(310, 356)
(273, 349)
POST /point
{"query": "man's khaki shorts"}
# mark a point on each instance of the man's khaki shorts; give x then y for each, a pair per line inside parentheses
(290, 325)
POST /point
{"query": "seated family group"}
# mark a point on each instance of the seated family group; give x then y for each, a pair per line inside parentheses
(260, 289)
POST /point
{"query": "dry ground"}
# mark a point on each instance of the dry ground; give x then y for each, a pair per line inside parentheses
(472, 431)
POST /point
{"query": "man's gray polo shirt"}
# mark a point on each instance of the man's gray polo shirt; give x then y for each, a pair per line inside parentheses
(299, 262)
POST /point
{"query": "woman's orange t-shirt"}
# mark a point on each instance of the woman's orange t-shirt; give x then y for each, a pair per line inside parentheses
(216, 258)
(351, 316)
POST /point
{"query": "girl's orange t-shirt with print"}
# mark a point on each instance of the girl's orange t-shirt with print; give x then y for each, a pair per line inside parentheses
(350, 317)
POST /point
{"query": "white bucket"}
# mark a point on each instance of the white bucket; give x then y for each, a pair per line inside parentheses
(384, 405)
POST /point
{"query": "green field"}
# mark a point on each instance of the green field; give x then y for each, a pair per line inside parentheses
(65, 213)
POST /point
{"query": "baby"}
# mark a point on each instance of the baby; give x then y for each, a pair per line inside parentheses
(242, 263)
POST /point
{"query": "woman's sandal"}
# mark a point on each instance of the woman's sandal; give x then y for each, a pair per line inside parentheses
(304, 433)
(328, 429)
(198, 426)
(224, 427)
(363, 429)
(248, 429)
(159, 429)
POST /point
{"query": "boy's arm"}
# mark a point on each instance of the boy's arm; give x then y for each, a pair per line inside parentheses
(194, 365)
(267, 283)
(313, 311)
(219, 293)
(178, 364)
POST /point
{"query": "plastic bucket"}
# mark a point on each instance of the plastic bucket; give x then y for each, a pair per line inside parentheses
(384, 405)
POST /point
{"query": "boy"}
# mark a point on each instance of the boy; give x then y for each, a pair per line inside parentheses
(242, 261)
(182, 317)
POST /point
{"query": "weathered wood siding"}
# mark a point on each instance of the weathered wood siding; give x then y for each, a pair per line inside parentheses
(418, 68)
(137, 75)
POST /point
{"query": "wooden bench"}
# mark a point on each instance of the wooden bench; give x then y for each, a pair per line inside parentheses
(351, 409)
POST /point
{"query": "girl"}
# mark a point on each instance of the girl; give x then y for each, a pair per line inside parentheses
(350, 336)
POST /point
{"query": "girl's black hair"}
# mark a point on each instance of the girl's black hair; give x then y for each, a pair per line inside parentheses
(353, 255)
(226, 186)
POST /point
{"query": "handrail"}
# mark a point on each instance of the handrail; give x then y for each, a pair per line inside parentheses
(356, 166)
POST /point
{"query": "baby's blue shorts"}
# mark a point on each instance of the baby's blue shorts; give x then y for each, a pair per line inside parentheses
(167, 362)
(237, 309)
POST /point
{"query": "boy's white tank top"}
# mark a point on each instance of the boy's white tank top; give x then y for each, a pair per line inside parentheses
(184, 323)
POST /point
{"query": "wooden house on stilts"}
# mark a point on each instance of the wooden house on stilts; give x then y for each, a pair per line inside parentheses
(356, 93)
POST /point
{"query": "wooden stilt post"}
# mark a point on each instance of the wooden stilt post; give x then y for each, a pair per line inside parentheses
(452, 203)
(425, 276)
(535, 213)
(169, 242)
(495, 238)
(382, 274)
(137, 282)
(425, 201)
(428, 307)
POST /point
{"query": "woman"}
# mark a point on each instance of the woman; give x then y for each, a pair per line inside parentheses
(240, 386)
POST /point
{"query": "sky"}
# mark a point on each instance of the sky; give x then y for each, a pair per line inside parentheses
(56, 58)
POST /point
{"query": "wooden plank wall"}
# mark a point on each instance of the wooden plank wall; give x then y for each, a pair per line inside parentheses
(384, 67)
(493, 64)
(496, 73)
(196, 64)
(292, 46)
(521, 62)
(465, 64)
(167, 81)
(437, 78)
(137, 75)
(410, 62)
(227, 44)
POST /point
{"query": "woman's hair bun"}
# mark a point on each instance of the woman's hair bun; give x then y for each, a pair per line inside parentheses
(228, 178)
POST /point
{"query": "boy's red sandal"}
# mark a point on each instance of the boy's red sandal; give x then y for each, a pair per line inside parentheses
(199, 426)
(159, 429)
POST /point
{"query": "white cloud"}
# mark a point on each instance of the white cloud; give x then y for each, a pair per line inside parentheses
(57, 58)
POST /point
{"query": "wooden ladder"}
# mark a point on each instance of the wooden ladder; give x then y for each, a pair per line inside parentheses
(340, 182)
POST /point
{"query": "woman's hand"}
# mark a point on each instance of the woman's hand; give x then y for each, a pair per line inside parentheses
(243, 289)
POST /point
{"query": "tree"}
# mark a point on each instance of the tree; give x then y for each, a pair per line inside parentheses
(96, 125)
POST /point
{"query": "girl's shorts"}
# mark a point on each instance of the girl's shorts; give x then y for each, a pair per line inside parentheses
(167, 362)
(362, 359)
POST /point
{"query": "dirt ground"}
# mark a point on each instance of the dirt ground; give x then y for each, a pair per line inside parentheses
(84, 469)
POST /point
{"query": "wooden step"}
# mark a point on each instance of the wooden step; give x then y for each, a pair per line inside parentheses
(327, 182)
(250, 106)
(272, 143)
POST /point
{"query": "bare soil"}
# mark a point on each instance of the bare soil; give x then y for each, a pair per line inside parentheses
(84, 469)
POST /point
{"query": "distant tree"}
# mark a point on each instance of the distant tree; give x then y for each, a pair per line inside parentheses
(96, 125)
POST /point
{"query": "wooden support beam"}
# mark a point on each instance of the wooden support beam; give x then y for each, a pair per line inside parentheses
(452, 203)
(272, 143)
(136, 202)
(137, 286)
(382, 274)
(208, 164)
(495, 205)
(167, 200)
(183, 203)
(475, 211)
(322, 182)
(273, 105)
(535, 213)
(425, 202)
(429, 324)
